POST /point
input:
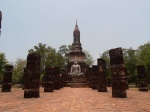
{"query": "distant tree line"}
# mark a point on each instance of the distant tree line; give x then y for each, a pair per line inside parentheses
(53, 57)
(49, 57)
(132, 58)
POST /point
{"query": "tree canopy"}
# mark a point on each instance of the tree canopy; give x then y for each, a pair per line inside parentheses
(3, 62)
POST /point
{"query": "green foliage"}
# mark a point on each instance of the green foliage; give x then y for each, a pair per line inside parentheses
(3, 62)
(132, 58)
(143, 57)
(18, 71)
(43, 51)
(49, 56)
(88, 58)
(105, 56)
(130, 63)
(64, 51)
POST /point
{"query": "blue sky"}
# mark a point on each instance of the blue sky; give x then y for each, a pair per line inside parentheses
(103, 24)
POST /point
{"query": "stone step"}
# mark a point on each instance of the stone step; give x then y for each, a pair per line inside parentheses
(76, 81)
(77, 85)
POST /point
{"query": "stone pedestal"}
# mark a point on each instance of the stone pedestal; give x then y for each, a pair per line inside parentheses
(32, 76)
(142, 81)
(7, 79)
(118, 73)
(102, 83)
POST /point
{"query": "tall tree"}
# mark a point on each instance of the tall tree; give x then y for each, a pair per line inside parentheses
(64, 50)
(88, 58)
(143, 57)
(105, 56)
(42, 50)
(18, 71)
(49, 55)
(3, 62)
(130, 63)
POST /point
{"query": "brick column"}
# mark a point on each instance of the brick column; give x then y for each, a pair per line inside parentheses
(118, 73)
(102, 83)
(94, 77)
(56, 78)
(49, 80)
(32, 76)
(142, 81)
(7, 79)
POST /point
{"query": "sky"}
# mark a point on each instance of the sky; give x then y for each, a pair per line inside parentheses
(103, 25)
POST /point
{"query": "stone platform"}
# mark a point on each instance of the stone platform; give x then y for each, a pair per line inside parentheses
(75, 100)
(77, 84)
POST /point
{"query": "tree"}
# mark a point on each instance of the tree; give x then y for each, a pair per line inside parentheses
(42, 50)
(130, 63)
(143, 57)
(106, 57)
(18, 71)
(3, 62)
(88, 58)
(49, 56)
(64, 51)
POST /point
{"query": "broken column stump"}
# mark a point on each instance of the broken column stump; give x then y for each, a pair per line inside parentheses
(118, 73)
(49, 80)
(32, 76)
(102, 83)
(142, 81)
(7, 79)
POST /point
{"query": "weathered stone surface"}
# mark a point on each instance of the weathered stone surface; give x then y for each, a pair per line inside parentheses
(32, 76)
(94, 77)
(48, 80)
(102, 83)
(142, 81)
(7, 79)
(76, 52)
(109, 82)
(126, 72)
(63, 77)
(118, 73)
(57, 83)
(0, 20)
(23, 78)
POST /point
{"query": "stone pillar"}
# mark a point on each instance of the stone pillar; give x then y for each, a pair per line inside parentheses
(32, 76)
(87, 73)
(94, 77)
(126, 72)
(48, 80)
(63, 77)
(0, 20)
(142, 81)
(118, 73)
(56, 78)
(7, 79)
(23, 78)
(102, 83)
(89, 77)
